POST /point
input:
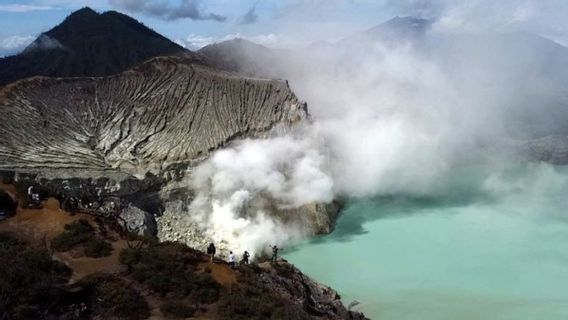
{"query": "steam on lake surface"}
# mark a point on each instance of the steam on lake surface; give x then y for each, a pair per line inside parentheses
(493, 246)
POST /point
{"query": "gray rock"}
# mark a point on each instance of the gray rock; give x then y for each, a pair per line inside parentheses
(318, 300)
(552, 149)
(319, 217)
(138, 221)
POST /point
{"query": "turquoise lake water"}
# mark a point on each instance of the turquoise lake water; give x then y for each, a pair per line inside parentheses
(495, 248)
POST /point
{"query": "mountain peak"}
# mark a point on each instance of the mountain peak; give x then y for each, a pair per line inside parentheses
(400, 27)
(88, 43)
(81, 15)
(84, 11)
(408, 22)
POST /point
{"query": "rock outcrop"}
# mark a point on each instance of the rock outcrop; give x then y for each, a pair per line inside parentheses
(318, 300)
(316, 218)
(139, 221)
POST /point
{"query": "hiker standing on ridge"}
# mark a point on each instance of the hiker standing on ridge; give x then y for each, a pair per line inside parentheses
(275, 253)
(34, 200)
(246, 257)
(211, 251)
(231, 259)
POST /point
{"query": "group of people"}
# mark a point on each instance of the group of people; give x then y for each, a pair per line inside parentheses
(232, 259)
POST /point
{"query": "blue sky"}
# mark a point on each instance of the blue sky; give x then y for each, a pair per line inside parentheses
(273, 21)
(194, 23)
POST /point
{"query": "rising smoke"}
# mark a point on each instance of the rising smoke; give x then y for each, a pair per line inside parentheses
(394, 112)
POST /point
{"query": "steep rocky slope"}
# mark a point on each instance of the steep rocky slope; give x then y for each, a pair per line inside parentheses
(138, 135)
(157, 281)
(88, 44)
(166, 111)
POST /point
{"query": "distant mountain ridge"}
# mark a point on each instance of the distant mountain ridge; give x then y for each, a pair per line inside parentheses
(252, 59)
(242, 56)
(88, 43)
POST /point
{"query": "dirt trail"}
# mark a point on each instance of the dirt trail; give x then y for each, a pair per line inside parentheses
(39, 226)
(222, 273)
(36, 225)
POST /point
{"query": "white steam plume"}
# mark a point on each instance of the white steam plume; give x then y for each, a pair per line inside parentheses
(237, 187)
(391, 116)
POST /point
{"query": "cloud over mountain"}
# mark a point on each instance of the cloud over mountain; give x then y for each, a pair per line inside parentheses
(185, 9)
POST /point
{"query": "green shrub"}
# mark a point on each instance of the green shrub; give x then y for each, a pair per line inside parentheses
(96, 248)
(81, 233)
(129, 257)
(78, 227)
(76, 233)
(66, 241)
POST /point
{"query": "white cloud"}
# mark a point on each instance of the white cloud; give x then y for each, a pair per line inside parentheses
(14, 7)
(239, 185)
(14, 44)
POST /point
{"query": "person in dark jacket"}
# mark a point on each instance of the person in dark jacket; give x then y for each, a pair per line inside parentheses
(246, 257)
(275, 253)
(211, 251)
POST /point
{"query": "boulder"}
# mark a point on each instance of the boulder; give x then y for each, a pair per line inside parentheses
(139, 221)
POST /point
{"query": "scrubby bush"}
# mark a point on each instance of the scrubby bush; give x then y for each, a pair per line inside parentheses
(66, 241)
(129, 257)
(159, 282)
(251, 300)
(31, 283)
(171, 269)
(96, 248)
(204, 288)
(111, 297)
(81, 233)
(284, 270)
(76, 233)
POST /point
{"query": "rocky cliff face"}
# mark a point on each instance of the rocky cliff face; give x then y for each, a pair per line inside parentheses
(137, 135)
(166, 111)
(318, 300)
